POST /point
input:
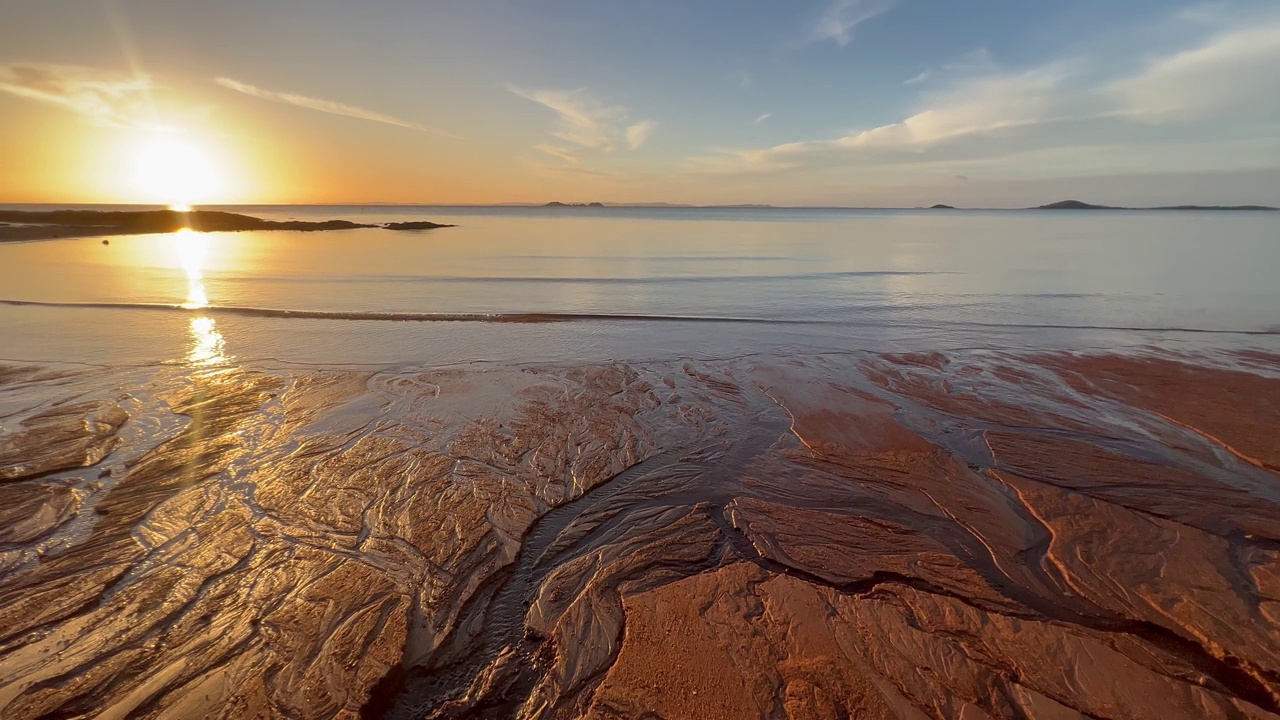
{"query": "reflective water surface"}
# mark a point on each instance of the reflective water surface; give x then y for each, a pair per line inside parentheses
(806, 278)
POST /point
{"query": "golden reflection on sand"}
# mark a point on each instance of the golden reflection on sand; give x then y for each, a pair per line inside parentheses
(192, 249)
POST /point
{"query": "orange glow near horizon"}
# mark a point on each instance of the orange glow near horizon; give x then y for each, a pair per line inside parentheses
(240, 156)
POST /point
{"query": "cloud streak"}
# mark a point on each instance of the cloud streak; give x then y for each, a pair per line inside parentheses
(981, 106)
(558, 151)
(843, 17)
(588, 123)
(1235, 70)
(103, 97)
(326, 106)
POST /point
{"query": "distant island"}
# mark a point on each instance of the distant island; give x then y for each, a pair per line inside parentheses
(560, 204)
(18, 225)
(1078, 205)
(940, 206)
(1073, 205)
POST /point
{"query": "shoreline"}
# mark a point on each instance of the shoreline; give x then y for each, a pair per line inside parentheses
(696, 538)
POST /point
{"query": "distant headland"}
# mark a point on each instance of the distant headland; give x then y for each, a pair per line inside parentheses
(1078, 205)
(55, 224)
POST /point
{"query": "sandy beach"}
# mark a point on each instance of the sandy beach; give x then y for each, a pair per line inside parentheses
(975, 535)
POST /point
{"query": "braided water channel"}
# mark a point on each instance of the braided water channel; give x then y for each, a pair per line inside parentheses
(703, 474)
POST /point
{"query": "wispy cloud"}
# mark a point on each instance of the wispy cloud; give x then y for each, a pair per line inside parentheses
(103, 97)
(975, 107)
(326, 106)
(639, 133)
(843, 16)
(558, 151)
(1208, 12)
(743, 79)
(1233, 71)
(588, 123)
(977, 60)
(763, 117)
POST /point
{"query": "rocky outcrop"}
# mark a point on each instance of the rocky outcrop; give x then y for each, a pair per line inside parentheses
(53, 224)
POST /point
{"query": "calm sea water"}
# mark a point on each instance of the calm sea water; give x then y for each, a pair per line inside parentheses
(645, 283)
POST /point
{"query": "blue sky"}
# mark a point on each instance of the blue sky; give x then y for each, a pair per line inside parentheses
(842, 102)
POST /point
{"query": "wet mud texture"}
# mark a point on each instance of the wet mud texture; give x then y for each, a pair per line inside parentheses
(974, 536)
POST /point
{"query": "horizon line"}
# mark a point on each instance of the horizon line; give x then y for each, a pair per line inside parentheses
(639, 205)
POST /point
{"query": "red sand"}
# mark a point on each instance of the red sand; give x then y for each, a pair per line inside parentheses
(886, 537)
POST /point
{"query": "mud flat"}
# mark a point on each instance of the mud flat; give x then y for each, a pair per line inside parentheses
(980, 535)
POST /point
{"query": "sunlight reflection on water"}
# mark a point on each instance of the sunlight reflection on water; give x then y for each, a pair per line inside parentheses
(882, 280)
(191, 249)
(207, 345)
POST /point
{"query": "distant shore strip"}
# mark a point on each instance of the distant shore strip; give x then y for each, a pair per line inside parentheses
(24, 225)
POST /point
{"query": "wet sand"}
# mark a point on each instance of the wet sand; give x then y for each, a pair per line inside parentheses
(977, 535)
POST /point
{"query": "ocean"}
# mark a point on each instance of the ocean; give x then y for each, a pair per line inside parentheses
(518, 284)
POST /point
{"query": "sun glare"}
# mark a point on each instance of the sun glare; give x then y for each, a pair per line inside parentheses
(175, 172)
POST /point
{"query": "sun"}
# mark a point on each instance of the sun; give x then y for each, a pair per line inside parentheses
(175, 172)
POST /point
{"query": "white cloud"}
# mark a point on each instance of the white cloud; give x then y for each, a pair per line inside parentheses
(588, 123)
(744, 80)
(321, 105)
(981, 106)
(103, 97)
(1237, 72)
(840, 20)
(925, 75)
(763, 117)
(637, 134)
